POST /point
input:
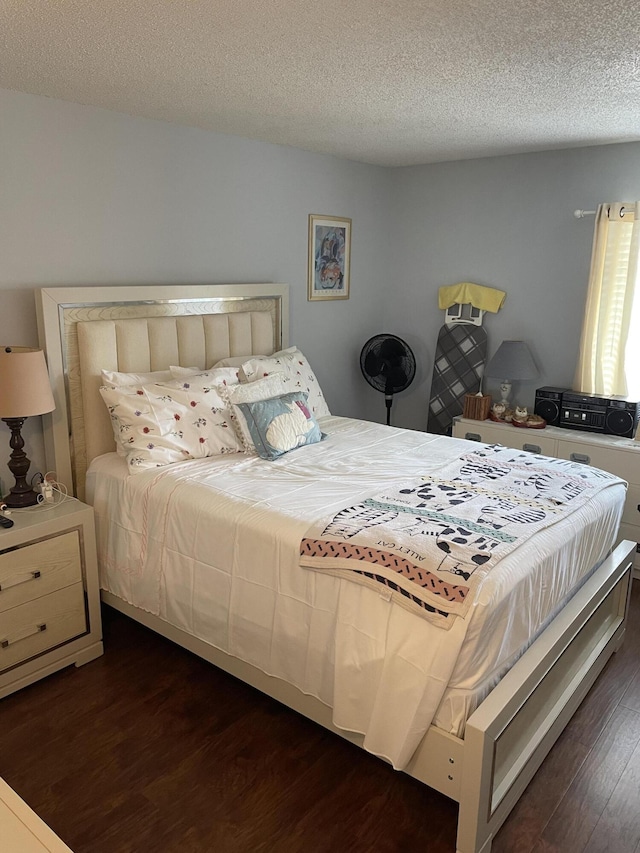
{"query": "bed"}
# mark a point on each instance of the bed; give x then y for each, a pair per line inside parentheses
(477, 726)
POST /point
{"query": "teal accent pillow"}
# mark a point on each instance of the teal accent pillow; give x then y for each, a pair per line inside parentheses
(280, 424)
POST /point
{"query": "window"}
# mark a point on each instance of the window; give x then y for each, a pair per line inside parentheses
(609, 360)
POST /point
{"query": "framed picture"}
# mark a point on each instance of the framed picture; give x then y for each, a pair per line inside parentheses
(329, 257)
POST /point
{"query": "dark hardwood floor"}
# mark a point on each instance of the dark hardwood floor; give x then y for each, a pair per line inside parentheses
(150, 749)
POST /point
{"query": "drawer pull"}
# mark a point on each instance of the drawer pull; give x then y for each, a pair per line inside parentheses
(580, 457)
(30, 576)
(532, 448)
(22, 635)
(472, 436)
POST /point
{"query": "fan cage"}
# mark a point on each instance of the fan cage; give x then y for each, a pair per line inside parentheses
(389, 365)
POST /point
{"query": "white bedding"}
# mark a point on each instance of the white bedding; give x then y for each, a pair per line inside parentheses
(212, 547)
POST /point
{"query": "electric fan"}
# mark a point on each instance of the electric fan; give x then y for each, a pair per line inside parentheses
(388, 365)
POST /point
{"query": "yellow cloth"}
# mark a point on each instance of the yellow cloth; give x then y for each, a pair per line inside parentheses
(481, 297)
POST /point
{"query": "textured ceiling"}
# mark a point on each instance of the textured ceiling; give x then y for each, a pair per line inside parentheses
(392, 82)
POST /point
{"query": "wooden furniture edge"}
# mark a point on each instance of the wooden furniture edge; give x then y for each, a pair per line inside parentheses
(70, 515)
(34, 824)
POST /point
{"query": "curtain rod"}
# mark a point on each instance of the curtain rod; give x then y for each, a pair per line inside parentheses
(622, 210)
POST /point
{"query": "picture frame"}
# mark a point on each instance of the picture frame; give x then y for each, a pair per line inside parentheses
(329, 257)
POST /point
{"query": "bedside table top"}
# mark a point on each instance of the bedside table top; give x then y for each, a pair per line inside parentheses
(43, 520)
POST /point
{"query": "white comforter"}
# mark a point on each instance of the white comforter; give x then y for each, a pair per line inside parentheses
(212, 547)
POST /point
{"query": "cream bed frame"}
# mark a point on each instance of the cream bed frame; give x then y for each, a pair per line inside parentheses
(141, 328)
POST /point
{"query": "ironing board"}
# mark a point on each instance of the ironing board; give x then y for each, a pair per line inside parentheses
(461, 352)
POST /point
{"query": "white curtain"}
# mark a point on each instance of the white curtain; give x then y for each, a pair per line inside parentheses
(612, 286)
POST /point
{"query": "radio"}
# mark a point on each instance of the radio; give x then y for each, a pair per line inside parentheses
(573, 410)
(622, 418)
(548, 404)
(609, 415)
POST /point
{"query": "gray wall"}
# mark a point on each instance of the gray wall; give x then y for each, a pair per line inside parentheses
(504, 222)
(89, 196)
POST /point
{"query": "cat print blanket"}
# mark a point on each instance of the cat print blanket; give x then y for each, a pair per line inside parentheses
(431, 542)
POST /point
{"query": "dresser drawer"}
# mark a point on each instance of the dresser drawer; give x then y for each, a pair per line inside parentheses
(39, 625)
(519, 438)
(531, 441)
(623, 464)
(484, 431)
(39, 569)
(630, 514)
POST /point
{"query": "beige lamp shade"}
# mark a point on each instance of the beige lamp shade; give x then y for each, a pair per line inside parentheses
(25, 389)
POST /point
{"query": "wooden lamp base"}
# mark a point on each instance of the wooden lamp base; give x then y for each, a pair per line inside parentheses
(21, 494)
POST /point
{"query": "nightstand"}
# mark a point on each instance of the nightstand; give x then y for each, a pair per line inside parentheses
(49, 593)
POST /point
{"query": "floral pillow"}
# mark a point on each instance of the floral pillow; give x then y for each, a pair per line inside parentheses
(157, 425)
(212, 380)
(115, 378)
(296, 372)
(281, 424)
(232, 361)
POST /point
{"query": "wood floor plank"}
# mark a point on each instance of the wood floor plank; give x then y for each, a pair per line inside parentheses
(631, 696)
(608, 691)
(579, 811)
(533, 811)
(151, 750)
(618, 830)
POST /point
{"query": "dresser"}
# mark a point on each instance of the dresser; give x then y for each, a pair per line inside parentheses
(49, 593)
(617, 455)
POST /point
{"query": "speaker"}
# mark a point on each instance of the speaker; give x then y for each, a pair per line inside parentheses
(621, 418)
(548, 404)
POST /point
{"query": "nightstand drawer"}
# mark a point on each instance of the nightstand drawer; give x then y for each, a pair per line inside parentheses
(39, 625)
(41, 568)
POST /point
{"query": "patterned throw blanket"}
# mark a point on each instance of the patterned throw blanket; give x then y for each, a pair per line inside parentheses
(431, 542)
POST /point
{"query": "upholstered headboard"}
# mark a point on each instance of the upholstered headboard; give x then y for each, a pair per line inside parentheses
(85, 330)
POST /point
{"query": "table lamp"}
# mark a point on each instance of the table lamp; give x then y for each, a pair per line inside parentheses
(24, 391)
(512, 360)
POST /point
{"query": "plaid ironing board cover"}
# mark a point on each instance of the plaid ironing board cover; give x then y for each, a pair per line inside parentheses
(461, 352)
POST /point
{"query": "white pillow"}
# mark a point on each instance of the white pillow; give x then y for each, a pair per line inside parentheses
(253, 392)
(159, 424)
(203, 380)
(296, 371)
(177, 372)
(232, 361)
(114, 379)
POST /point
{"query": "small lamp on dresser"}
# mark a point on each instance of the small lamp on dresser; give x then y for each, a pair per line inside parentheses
(25, 391)
(512, 360)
